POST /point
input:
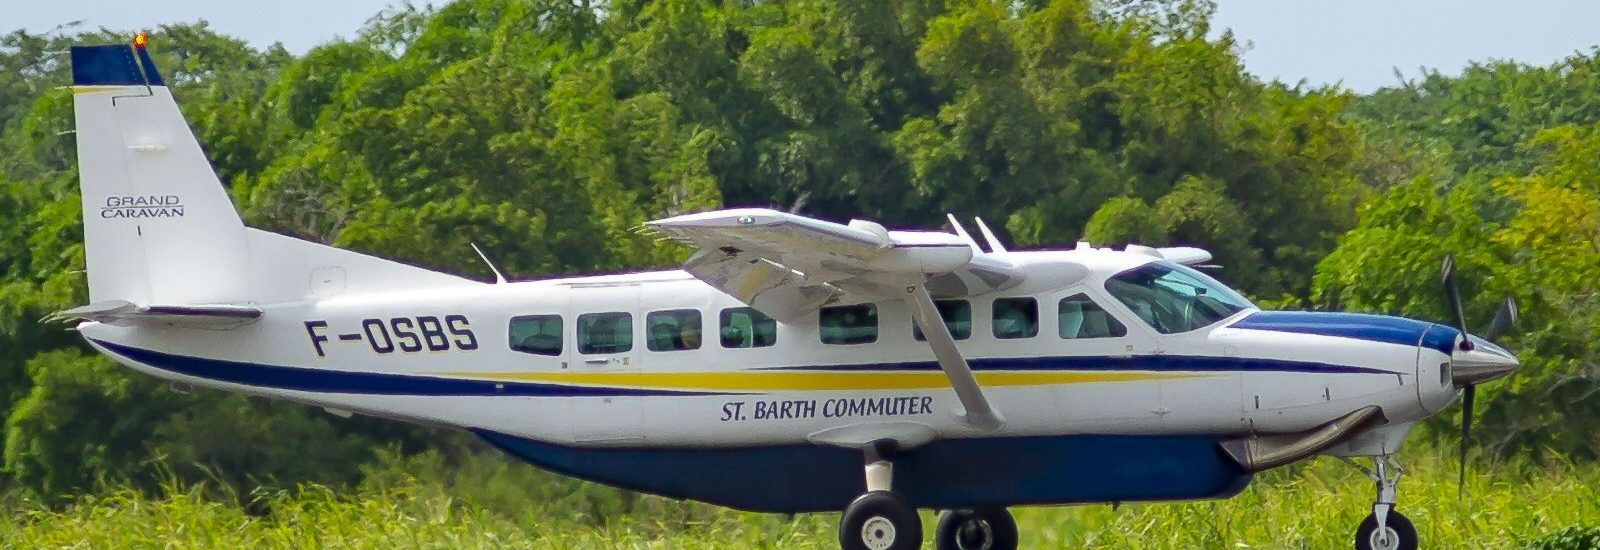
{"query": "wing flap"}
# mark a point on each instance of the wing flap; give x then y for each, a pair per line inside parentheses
(770, 287)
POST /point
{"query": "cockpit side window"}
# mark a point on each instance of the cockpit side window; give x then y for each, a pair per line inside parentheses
(1172, 298)
(1082, 318)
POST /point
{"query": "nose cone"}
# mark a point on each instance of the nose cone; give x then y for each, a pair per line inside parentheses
(1484, 362)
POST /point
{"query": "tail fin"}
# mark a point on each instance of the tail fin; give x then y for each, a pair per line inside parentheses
(159, 227)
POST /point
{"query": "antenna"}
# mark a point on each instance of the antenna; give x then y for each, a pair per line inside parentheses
(962, 232)
(988, 235)
(499, 278)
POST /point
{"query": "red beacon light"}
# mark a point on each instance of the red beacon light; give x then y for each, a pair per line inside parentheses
(141, 40)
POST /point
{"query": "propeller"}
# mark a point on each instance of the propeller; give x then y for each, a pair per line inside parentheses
(1466, 437)
(1447, 272)
(1470, 373)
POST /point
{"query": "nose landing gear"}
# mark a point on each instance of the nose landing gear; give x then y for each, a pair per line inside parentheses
(1386, 528)
(1398, 534)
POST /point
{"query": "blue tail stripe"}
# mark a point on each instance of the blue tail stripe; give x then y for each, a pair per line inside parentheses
(152, 76)
(107, 65)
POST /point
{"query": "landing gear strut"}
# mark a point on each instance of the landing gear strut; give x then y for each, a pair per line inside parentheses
(988, 528)
(1386, 528)
(880, 519)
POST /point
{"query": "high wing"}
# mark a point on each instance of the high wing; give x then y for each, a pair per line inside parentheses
(786, 265)
(1186, 255)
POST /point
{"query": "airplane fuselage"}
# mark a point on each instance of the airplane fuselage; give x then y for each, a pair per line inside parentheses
(445, 356)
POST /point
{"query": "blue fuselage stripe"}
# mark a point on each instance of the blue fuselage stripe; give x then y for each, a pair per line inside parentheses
(376, 383)
(1372, 328)
(373, 383)
(1163, 363)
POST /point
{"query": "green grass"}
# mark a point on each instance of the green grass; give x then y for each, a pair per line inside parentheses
(491, 503)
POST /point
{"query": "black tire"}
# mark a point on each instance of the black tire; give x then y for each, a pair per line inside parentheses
(989, 528)
(1399, 526)
(880, 520)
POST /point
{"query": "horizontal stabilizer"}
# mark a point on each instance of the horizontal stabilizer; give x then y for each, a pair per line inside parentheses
(120, 312)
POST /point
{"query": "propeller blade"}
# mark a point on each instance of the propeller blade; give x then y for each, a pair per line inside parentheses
(1466, 437)
(1503, 319)
(1447, 273)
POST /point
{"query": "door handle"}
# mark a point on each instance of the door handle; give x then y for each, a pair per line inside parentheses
(596, 361)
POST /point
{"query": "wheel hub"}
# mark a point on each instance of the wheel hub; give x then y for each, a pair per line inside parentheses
(975, 534)
(878, 533)
(1384, 539)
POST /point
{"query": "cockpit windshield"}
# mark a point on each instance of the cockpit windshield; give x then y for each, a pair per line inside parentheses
(1173, 298)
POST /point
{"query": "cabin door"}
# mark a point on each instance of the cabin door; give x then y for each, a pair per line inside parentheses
(1113, 356)
(607, 341)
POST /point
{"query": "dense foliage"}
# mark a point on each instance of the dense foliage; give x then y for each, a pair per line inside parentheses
(487, 503)
(546, 131)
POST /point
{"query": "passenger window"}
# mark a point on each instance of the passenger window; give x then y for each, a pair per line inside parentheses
(536, 334)
(744, 327)
(673, 330)
(857, 324)
(610, 332)
(1016, 318)
(1082, 318)
(957, 315)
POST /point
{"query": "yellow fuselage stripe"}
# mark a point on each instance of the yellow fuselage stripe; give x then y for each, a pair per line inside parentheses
(791, 380)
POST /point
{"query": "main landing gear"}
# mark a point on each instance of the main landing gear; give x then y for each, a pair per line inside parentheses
(881, 520)
(1386, 528)
(988, 528)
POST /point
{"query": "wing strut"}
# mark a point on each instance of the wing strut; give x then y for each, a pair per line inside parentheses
(994, 242)
(978, 414)
(962, 232)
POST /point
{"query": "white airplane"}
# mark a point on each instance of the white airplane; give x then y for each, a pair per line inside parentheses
(849, 367)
